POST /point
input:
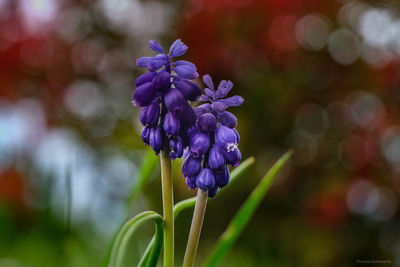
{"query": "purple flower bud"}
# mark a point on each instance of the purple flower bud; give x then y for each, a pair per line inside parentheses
(209, 93)
(144, 95)
(186, 72)
(188, 117)
(143, 61)
(174, 101)
(225, 137)
(157, 62)
(191, 166)
(144, 78)
(178, 48)
(199, 144)
(207, 122)
(218, 106)
(222, 177)
(199, 110)
(176, 147)
(232, 101)
(216, 159)
(171, 124)
(191, 182)
(162, 80)
(155, 139)
(146, 135)
(185, 63)
(212, 192)
(150, 114)
(205, 179)
(223, 89)
(227, 119)
(204, 98)
(232, 156)
(156, 46)
(189, 90)
(208, 81)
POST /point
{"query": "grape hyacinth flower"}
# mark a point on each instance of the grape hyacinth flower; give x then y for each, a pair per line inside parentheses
(164, 92)
(213, 140)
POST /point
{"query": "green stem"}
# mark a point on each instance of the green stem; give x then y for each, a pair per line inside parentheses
(168, 204)
(195, 229)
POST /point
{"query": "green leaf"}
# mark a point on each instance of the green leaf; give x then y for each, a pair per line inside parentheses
(120, 245)
(243, 216)
(190, 202)
(149, 163)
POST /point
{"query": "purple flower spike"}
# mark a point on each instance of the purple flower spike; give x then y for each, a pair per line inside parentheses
(146, 135)
(186, 72)
(222, 177)
(189, 90)
(199, 144)
(156, 46)
(144, 94)
(207, 122)
(155, 139)
(144, 78)
(228, 119)
(191, 182)
(233, 156)
(216, 159)
(150, 114)
(171, 124)
(191, 166)
(174, 101)
(205, 180)
(225, 137)
(162, 80)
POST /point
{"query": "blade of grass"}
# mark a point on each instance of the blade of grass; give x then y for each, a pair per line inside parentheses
(190, 202)
(245, 213)
(128, 229)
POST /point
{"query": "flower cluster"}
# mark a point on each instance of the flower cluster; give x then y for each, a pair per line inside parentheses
(163, 92)
(213, 140)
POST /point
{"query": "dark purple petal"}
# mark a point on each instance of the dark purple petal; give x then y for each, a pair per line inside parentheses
(186, 72)
(150, 114)
(222, 177)
(187, 117)
(144, 78)
(208, 81)
(171, 124)
(218, 106)
(185, 63)
(207, 122)
(155, 139)
(144, 95)
(232, 157)
(199, 110)
(178, 48)
(191, 166)
(143, 61)
(223, 89)
(232, 101)
(191, 182)
(175, 147)
(174, 101)
(227, 119)
(190, 91)
(205, 179)
(209, 93)
(162, 80)
(212, 192)
(156, 46)
(146, 135)
(225, 137)
(216, 159)
(199, 144)
(237, 135)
